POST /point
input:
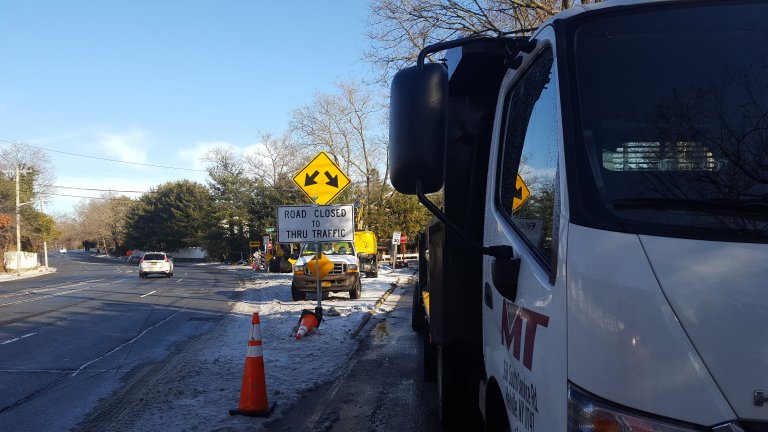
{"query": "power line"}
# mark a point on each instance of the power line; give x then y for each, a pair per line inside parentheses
(101, 158)
(88, 197)
(98, 190)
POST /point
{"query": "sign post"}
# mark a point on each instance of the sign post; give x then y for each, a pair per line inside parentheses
(316, 224)
(393, 249)
(403, 239)
(322, 181)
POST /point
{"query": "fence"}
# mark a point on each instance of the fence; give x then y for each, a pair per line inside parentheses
(400, 257)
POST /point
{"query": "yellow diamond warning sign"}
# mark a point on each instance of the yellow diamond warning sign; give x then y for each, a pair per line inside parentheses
(321, 179)
(521, 193)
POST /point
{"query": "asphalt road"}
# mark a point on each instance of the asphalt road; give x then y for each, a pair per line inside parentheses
(382, 388)
(70, 338)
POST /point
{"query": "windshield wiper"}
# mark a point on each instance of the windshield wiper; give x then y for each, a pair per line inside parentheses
(747, 207)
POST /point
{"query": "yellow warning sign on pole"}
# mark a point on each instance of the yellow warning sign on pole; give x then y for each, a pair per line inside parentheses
(321, 179)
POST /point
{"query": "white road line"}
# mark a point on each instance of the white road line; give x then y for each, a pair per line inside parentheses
(179, 280)
(126, 343)
(42, 297)
(152, 292)
(47, 371)
(18, 338)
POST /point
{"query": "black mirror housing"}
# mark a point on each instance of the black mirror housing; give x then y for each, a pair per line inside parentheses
(417, 128)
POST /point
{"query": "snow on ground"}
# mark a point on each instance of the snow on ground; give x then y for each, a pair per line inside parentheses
(11, 275)
(199, 386)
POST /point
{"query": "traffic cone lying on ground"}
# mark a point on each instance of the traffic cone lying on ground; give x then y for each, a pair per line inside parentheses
(253, 394)
(308, 322)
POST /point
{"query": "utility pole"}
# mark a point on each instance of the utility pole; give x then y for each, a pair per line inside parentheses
(45, 240)
(18, 220)
(18, 225)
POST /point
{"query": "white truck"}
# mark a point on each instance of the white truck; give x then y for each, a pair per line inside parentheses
(600, 259)
(343, 277)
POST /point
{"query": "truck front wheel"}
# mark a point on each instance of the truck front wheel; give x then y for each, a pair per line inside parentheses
(356, 291)
(297, 295)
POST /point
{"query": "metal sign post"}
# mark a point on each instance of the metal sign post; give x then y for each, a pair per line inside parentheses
(319, 307)
(316, 224)
(321, 180)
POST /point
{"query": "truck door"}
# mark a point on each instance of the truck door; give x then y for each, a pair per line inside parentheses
(524, 309)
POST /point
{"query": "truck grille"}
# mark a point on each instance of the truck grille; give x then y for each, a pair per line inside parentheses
(339, 269)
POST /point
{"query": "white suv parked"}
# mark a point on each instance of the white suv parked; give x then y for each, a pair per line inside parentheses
(155, 263)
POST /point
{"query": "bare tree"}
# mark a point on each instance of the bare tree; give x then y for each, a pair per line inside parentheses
(35, 183)
(103, 220)
(278, 157)
(348, 125)
(36, 170)
(399, 29)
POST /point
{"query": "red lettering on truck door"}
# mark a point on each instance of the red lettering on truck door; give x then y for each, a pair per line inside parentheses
(512, 319)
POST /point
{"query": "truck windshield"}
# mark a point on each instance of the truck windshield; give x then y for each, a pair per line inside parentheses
(337, 248)
(673, 109)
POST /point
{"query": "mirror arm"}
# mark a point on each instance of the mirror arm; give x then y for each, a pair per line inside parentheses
(513, 46)
(499, 251)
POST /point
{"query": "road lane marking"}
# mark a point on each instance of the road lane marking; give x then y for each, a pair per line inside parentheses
(42, 297)
(151, 292)
(85, 365)
(37, 291)
(179, 280)
(17, 338)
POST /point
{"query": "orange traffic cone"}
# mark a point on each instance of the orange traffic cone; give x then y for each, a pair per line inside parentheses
(308, 322)
(253, 394)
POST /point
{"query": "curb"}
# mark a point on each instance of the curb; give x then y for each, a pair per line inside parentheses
(9, 277)
(379, 302)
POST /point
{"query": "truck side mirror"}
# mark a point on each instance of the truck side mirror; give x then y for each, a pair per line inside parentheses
(417, 128)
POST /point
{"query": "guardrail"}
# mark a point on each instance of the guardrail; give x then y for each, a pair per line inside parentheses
(400, 257)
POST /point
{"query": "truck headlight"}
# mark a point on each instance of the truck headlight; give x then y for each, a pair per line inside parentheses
(298, 269)
(352, 268)
(588, 415)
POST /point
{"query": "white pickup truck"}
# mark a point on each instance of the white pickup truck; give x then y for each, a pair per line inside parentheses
(345, 275)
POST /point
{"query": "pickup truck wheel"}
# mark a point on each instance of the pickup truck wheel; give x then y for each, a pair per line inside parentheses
(297, 295)
(357, 291)
(274, 265)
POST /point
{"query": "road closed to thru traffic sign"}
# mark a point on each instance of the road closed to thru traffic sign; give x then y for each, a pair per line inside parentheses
(315, 223)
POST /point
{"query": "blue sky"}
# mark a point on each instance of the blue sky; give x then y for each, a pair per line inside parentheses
(160, 82)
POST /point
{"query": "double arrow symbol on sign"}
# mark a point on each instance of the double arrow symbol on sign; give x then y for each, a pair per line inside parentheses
(332, 180)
